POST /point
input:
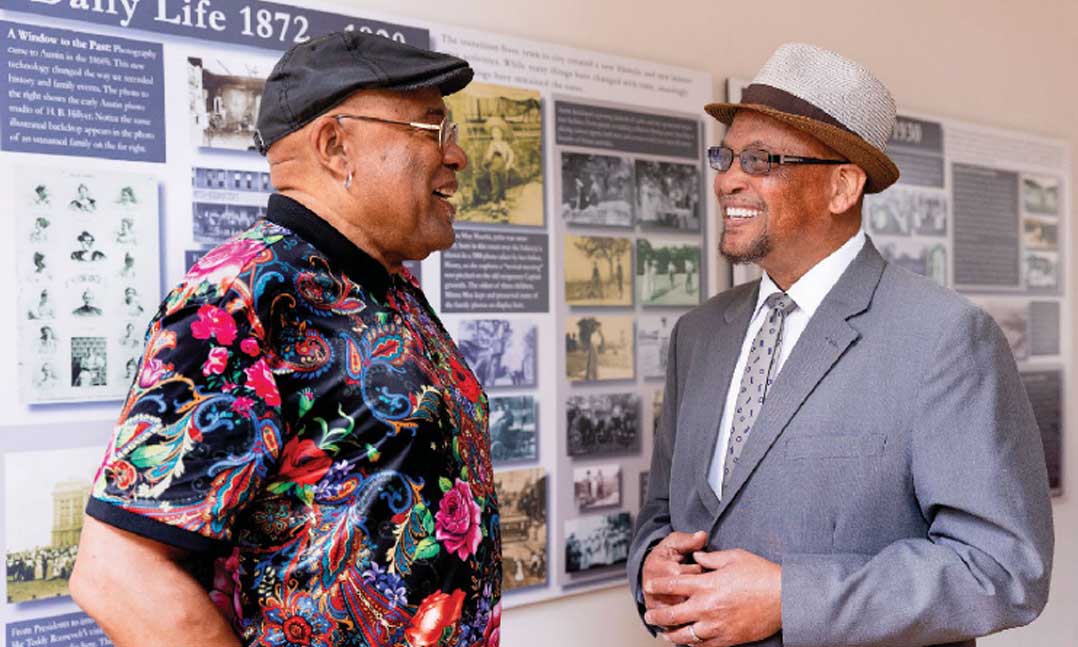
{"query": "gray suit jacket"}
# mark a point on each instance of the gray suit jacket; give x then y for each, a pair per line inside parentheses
(895, 471)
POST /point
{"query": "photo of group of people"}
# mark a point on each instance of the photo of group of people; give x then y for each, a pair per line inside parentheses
(501, 352)
(602, 424)
(910, 227)
(597, 542)
(1042, 256)
(523, 517)
(87, 259)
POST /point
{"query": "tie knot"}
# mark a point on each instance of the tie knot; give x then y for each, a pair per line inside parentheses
(780, 303)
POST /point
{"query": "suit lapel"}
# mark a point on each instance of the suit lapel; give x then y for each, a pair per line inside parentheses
(710, 386)
(820, 346)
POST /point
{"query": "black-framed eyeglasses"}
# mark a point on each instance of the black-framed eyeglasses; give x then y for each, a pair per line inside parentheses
(447, 130)
(757, 161)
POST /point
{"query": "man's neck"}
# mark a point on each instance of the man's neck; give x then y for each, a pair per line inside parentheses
(325, 210)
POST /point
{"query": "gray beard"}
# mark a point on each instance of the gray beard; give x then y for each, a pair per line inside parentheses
(759, 249)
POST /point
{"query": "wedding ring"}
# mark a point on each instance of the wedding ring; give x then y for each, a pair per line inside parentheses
(695, 638)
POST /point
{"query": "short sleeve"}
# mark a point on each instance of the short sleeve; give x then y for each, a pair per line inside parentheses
(200, 429)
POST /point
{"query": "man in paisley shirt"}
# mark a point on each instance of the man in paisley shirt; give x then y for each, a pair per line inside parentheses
(303, 457)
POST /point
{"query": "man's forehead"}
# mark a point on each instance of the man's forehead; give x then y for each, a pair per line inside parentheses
(750, 128)
(426, 102)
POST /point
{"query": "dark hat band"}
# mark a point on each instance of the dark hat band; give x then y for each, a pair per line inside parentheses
(783, 101)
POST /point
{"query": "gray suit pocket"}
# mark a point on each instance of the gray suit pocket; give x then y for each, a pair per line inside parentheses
(817, 446)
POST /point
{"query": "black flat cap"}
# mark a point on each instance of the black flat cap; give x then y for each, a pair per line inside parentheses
(314, 76)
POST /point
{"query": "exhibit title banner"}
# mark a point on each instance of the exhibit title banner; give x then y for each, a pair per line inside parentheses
(250, 22)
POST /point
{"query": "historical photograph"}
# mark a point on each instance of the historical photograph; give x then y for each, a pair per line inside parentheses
(1040, 233)
(513, 429)
(597, 271)
(603, 424)
(45, 495)
(667, 273)
(1041, 194)
(501, 352)
(1042, 271)
(1013, 318)
(597, 486)
(920, 257)
(224, 95)
(89, 361)
(668, 195)
(656, 410)
(599, 348)
(888, 213)
(598, 541)
(230, 180)
(644, 486)
(522, 505)
(653, 344)
(500, 128)
(214, 223)
(1045, 391)
(596, 190)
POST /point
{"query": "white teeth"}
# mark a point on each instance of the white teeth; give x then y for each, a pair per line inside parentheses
(737, 212)
(445, 193)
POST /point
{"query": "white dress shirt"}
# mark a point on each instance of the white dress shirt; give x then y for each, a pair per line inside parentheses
(808, 293)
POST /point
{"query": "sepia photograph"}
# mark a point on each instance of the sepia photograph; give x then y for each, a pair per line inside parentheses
(667, 273)
(597, 271)
(1041, 194)
(513, 429)
(1040, 233)
(45, 495)
(501, 352)
(522, 506)
(596, 542)
(597, 486)
(603, 424)
(500, 128)
(920, 257)
(224, 95)
(1013, 318)
(596, 190)
(1042, 271)
(599, 348)
(668, 195)
(653, 344)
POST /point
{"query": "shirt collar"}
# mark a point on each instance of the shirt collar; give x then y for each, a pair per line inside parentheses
(809, 291)
(357, 264)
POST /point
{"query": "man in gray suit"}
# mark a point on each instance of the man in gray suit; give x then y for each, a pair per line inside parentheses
(846, 455)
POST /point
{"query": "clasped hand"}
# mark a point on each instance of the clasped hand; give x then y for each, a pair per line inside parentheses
(726, 597)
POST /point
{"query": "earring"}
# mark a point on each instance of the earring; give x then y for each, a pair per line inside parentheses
(348, 181)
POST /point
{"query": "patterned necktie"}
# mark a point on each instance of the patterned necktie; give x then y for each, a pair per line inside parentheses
(756, 378)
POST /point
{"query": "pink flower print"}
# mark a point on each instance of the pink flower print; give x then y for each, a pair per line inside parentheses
(214, 322)
(242, 405)
(261, 380)
(216, 362)
(250, 346)
(457, 522)
(153, 370)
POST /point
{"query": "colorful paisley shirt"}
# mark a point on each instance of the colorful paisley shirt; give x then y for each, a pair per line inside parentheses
(302, 423)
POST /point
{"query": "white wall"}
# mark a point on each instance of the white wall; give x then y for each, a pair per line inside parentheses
(995, 62)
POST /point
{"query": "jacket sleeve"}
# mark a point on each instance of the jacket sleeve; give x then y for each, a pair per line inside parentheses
(653, 521)
(979, 475)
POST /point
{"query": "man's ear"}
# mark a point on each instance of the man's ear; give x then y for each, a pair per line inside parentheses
(328, 142)
(847, 186)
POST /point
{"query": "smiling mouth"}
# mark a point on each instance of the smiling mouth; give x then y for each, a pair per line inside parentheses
(742, 213)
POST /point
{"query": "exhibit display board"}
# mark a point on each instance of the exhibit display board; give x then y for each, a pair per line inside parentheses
(582, 234)
(984, 211)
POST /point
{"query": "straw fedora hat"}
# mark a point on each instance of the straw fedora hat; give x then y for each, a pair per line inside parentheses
(829, 97)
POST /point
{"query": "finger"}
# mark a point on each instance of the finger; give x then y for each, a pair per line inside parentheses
(683, 585)
(674, 615)
(684, 636)
(715, 559)
(684, 542)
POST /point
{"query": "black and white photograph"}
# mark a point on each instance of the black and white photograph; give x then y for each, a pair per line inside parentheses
(513, 429)
(598, 271)
(596, 190)
(224, 94)
(653, 344)
(668, 195)
(1042, 271)
(603, 424)
(45, 495)
(597, 486)
(89, 361)
(1045, 391)
(1040, 233)
(656, 410)
(1013, 318)
(597, 541)
(667, 273)
(86, 257)
(213, 223)
(1041, 194)
(926, 258)
(644, 486)
(501, 130)
(523, 523)
(888, 213)
(230, 180)
(599, 348)
(501, 352)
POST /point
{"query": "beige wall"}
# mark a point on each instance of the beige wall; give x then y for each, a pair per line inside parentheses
(996, 62)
